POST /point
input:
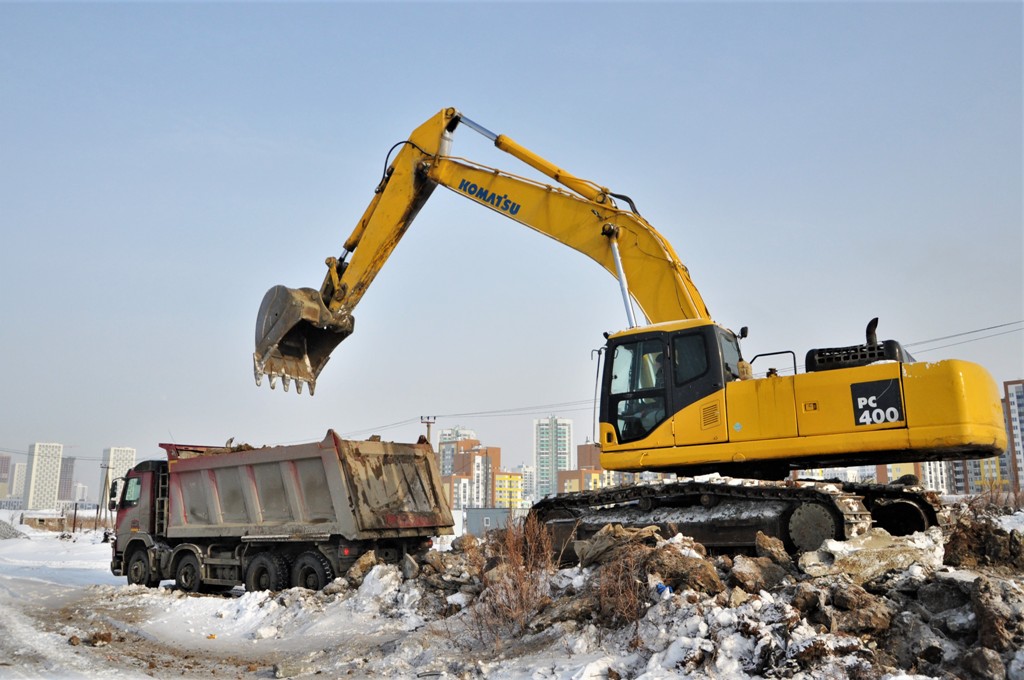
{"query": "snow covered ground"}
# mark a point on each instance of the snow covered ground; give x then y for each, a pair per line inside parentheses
(63, 615)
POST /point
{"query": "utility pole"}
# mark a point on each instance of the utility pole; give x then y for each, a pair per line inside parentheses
(101, 507)
(428, 421)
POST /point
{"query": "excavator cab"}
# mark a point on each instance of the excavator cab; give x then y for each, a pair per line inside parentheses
(650, 376)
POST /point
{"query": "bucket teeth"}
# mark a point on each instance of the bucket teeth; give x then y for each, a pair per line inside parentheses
(259, 373)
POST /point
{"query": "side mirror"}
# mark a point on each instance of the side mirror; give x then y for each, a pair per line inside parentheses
(743, 332)
(112, 502)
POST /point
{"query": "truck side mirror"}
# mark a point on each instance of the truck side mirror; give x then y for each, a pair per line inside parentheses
(112, 504)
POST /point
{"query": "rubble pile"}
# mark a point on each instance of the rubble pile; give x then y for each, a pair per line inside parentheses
(8, 531)
(875, 607)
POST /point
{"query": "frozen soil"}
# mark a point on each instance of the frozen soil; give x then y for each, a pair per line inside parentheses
(640, 605)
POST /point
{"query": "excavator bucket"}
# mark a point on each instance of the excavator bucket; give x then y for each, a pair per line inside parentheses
(295, 335)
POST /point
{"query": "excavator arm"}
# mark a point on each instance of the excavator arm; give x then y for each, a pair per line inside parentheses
(296, 330)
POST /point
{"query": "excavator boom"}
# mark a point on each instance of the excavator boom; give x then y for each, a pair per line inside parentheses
(297, 329)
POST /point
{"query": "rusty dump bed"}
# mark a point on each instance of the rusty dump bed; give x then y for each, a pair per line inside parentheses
(361, 490)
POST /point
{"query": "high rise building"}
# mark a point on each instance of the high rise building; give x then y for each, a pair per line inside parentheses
(5, 476)
(17, 486)
(448, 445)
(529, 474)
(933, 475)
(118, 460)
(486, 462)
(65, 488)
(42, 477)
(469, 460)
(1014, 405)
(459, 489)
(553, 450)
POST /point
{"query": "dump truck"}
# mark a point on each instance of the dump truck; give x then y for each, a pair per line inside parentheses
(212, 518)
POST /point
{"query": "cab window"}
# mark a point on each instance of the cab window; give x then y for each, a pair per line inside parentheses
(638, 397)
(132, 492)
(730, 355)
(691, 357)
(637, 366)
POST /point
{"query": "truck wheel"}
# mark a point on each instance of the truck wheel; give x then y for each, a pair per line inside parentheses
(138, 571)
(312, 570)
(267, 571)
(186, 576)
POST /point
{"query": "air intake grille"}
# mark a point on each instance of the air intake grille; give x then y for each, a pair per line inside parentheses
(710, 416)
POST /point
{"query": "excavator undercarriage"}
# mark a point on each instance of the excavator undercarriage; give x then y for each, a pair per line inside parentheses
(725, 514)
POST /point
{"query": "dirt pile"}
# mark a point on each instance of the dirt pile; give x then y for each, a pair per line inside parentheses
(860, 609)
(977, 540)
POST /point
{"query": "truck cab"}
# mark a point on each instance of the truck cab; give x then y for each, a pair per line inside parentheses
(136, 515)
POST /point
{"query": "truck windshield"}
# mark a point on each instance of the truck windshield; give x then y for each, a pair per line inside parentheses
(132, 491)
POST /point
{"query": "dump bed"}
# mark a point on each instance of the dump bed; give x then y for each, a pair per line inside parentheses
(361, 490)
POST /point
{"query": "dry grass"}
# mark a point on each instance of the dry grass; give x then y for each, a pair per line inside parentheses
(621, 586)
(994, 501)
(516, 588)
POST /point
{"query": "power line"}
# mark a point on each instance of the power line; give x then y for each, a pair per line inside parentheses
(580, 405)
(964, 342)
(960, 335)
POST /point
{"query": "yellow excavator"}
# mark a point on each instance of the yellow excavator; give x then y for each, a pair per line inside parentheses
(676, 394)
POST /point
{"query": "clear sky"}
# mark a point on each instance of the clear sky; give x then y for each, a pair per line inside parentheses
(163, 165)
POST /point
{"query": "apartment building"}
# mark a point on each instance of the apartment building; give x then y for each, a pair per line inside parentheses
(553, 451)
(42, 476)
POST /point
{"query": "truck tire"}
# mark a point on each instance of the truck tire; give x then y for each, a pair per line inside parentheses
(187, 576)
(267, 571)
(312, 570)
(138, 570)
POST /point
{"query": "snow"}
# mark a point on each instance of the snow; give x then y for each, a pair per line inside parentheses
(1014, 522)
(53, 588)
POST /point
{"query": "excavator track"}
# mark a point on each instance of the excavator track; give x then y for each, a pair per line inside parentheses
(725, 514)
(900, 509)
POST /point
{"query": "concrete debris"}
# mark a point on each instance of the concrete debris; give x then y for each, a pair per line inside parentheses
(361, 567)
(871, 607)
(754, 574)
(874, 553)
